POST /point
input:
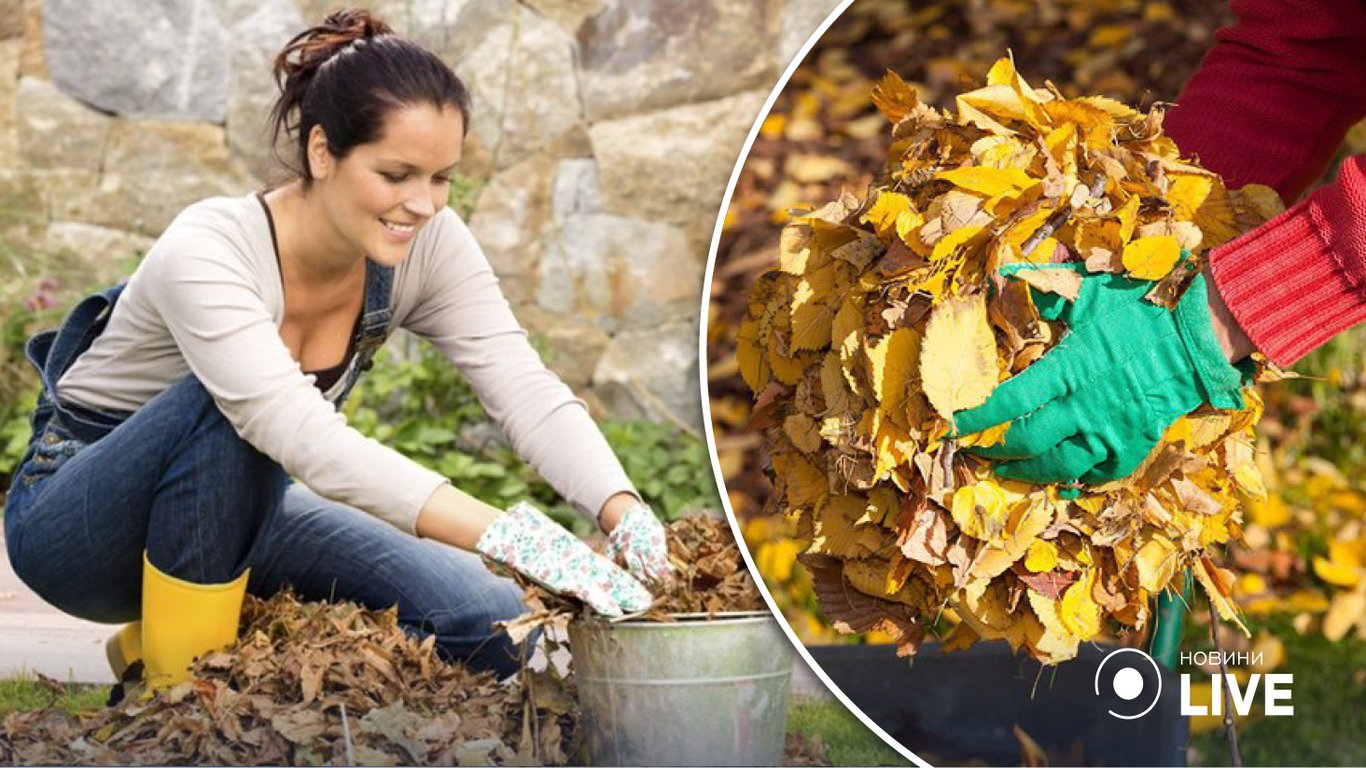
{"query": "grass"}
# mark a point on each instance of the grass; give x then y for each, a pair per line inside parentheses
(1327, 692)
(847, 740)
(23, 694)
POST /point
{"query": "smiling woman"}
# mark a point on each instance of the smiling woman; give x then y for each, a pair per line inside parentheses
(187, 445)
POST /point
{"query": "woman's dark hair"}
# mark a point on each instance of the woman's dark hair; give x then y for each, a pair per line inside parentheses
(345, 75)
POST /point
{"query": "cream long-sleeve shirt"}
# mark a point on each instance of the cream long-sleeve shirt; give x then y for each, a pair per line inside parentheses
(208, 299)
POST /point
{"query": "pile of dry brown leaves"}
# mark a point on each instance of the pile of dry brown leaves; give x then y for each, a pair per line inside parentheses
(712, 577)
(309, 683)
(321, 683)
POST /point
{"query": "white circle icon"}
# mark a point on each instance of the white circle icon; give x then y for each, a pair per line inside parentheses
(1128, 683)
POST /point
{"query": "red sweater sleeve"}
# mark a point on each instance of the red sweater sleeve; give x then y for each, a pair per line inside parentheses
(1270, 104)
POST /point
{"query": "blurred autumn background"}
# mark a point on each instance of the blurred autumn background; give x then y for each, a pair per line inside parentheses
(1300, 567)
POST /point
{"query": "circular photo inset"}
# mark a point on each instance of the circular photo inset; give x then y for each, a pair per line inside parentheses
(1002, 313)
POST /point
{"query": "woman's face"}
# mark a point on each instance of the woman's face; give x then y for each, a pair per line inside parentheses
(379, 195)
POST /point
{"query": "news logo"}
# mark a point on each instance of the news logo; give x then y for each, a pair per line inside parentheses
(1275, 687)
(1126, 680)
(1134, 679)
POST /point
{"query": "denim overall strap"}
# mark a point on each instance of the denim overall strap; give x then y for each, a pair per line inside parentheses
(374, 324)
(53, 352)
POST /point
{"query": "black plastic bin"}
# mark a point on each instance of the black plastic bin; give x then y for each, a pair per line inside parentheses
(963, 706)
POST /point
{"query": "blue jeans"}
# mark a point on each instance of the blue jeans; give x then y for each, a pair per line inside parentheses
(96, 489)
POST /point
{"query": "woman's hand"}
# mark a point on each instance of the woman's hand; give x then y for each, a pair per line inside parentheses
(1095, 405)
(537, 547)
(638, 539)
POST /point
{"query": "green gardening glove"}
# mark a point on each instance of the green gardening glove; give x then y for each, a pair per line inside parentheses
(1093, 407)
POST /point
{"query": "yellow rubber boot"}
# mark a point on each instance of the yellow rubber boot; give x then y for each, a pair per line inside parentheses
(182, 621)
(123, 648)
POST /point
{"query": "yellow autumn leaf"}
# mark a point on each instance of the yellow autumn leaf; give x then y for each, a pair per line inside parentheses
(1264, 200)
(1187, 234)
(986, 438)
(838, 531)
(986, 181)
(1347, 552)
(870, 578)
(984, 609)
(1028, 517)
(1061, 143)
(958, 364)
(894, 97)
(1252, 584)
(750, 354)
(1023, 229)
(776, 558)
(1064, 282)
(1056, 643)
(788, 370)
(980, 510)
(1128, 218)
(834, 387)
(1199, 431)
(801, 430)
(806, 484)
(1115, 109)
(1345, 613)
(893, 446)
(811, 311)
(1003, 72)
(1098, 234)
(1110, 36)
(883, 213)
(1156, 562)
(1187, 193)
(1093, 125)
(1003, 152)
(1336, 572)
(1218, 584)
(794, 250)
(846, 329)
(1078, 610)
(1042, 556)
(1242, 465)
(1151, 258)
(953, 241)
(892, 366)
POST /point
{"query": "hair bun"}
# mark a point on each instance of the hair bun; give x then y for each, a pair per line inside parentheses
(312, 48)
(358, 22)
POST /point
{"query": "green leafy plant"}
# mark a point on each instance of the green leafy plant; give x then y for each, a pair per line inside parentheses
(670, 468)
(418, 404)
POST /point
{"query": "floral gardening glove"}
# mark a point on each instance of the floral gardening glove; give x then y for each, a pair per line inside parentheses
(537, 547)
(639, 541)
(1093, 407)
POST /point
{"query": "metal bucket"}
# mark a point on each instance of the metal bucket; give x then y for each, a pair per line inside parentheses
(697, 691)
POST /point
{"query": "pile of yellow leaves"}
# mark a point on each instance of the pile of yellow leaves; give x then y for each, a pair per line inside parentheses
(888, 314)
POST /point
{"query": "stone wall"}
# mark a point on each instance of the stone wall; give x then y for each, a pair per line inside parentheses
(603, 135)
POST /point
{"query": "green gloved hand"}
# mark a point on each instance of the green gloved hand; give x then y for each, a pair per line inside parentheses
(1093, 407)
